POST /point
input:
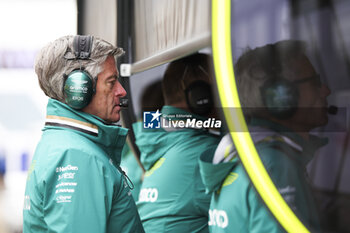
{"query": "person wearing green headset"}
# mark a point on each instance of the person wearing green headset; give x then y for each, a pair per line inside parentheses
(172, 196)
(283, 99)
(75, 183)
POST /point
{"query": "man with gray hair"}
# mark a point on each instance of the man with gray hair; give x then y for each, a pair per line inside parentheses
(283, 99)
(75, 183)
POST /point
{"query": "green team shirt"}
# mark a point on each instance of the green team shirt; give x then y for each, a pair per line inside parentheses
(235, 204)
(74, 183)
(172, 196)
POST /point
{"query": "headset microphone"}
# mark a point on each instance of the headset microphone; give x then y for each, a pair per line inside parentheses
(124, 103)
(332, 110)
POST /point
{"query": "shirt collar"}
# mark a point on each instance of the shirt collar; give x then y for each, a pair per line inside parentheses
(110, 137)
(290, 137)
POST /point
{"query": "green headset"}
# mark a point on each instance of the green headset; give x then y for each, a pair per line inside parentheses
(198, 93)
(280, 97)
(199, 97)
(78, 87)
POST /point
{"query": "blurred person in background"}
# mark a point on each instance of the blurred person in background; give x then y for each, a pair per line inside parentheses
(283, 99)
(151, 100)
(3, 223)
(2, 188)
(172, 196)
(2, 169)
(75, 183)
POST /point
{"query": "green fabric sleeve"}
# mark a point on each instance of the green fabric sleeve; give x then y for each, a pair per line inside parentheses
(124, 216)
(77, 194)
(85, 194)
(260, 218)
(284, 173)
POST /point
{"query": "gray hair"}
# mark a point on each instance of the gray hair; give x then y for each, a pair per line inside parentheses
(51, 64)
(261, 64)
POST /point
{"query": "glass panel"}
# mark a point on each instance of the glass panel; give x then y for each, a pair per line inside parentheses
(292, 70)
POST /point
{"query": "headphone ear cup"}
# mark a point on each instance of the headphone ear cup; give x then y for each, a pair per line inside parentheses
(78, 89)
(199, 97)
(280, 97)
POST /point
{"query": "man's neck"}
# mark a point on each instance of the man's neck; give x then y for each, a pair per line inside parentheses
(300, 130)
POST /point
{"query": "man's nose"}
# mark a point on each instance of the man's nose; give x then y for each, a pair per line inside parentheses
(120, 91)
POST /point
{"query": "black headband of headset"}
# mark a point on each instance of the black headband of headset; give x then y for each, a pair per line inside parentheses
(82, 47)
